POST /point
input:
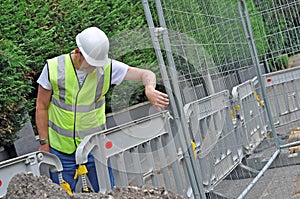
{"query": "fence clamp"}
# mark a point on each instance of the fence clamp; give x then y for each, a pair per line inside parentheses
(159, 31)
(234, 111)
(261, 102)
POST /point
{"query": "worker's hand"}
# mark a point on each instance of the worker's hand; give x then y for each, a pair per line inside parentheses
(45, 147)
(158, 99)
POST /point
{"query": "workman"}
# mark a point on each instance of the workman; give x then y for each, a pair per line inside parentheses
(71, 99)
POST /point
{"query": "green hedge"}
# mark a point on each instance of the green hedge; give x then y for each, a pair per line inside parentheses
(15, 88)
(281, 62)
(281, 27)
(37, 30)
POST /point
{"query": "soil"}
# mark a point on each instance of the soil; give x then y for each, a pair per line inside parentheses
(23, 186)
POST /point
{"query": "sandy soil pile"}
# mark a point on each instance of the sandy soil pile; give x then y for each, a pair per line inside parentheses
(23, 186)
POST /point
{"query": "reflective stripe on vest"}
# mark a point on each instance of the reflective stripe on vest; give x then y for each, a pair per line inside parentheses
(75, 111)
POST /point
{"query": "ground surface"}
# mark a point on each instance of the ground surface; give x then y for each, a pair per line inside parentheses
(27, 186)
(294, 61)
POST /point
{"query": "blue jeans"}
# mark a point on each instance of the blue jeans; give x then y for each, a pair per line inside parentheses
(69, 169)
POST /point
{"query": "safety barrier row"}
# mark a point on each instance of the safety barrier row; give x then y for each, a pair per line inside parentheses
(139, 152)
(225, 127)
(144, 152)
(284, 96)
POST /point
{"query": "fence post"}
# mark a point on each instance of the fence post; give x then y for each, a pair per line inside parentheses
(185, 140)
(250, 40)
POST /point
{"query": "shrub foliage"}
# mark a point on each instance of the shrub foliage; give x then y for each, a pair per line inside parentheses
(33, 31)
(15, 88)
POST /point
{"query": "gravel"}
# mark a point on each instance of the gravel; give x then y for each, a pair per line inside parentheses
(23, 186)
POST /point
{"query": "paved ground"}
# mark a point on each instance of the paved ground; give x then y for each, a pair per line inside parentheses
(294, 61)
(281, 181)
(277, 183)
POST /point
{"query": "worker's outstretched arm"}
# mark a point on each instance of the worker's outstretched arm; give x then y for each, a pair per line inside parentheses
(158, 99)
(41, 115)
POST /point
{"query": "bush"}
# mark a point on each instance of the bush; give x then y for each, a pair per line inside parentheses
(44, 29)
(15, 87)
(282, 61)
(271, 65)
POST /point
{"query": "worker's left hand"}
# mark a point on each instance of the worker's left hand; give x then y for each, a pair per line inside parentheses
(158, 99)
(45, 147)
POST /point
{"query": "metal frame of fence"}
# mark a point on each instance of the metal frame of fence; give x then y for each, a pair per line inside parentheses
(250, 110)
(253, 116)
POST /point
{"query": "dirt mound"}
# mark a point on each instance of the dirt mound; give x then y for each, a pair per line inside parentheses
(23, 186)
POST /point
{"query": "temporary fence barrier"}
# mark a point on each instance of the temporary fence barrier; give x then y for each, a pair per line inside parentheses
(139, 152)
(229, 136)
(217, 144)
(212, 46)
(248, 111)
(30, 163)
(283, 92)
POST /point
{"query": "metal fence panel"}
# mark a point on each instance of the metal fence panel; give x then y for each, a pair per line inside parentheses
(213, 49)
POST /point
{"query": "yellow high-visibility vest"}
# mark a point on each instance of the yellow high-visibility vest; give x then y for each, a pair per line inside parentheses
(75, 111)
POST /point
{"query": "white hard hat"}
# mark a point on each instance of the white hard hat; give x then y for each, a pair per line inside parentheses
(94, 45)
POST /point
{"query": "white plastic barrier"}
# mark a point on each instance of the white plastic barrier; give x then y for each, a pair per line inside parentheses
(140, 152)
(28, 163)
(249, 114)
(284, 96)
(217, 146)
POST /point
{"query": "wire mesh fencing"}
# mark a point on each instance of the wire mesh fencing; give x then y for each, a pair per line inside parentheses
(232, 69)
